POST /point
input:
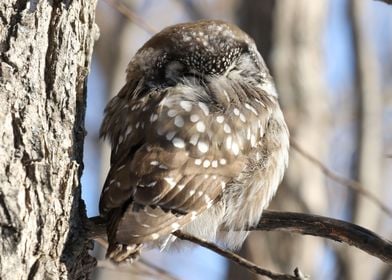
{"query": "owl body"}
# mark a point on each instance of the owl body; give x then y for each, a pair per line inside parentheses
(199, 142)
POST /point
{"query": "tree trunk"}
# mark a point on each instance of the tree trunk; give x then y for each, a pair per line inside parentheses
(298, 65)
(45, 52)
(369, 136)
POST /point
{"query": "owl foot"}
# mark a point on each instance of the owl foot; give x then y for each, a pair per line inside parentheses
(124, 253)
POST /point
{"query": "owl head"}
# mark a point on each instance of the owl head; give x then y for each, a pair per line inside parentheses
(199, 49)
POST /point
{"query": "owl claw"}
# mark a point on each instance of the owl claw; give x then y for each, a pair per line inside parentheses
(124, 253)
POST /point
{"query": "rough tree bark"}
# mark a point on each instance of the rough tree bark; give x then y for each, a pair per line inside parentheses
(45, 52)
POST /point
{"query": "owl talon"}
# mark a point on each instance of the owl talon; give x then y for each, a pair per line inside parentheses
(124, 253)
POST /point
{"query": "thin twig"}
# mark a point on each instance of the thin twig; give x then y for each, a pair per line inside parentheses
(334, 229)
(132, 16)
(385, 1)
(342, 180)
(141, 268)
(238, 259)
(158, 270)
(192, 9)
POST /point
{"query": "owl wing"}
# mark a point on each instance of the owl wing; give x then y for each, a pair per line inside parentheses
(172, 157)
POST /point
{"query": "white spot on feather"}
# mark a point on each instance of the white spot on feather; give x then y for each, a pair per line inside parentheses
(226, 95)
(162, 166)
(260, 102)
(178, 121)
(193, 215)
(194, 139)
(178, 143)
(194, 118)
(251, 108)
(227, 128)
(153, 183)
(175, 226)
(154, 236)
(220, 119)
(128, 131)
(204, 108)
(200, 126)
(242, 117)
(223, 185)
(253, 140)
(170, 135)
(186, 105)
(171, 113)
(202, 146)
(235, 148)
(121, 167)
(229, 140)
(170, 180)
(148, 213)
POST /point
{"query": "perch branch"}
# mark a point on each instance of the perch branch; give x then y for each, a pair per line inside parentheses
(334, 229)
(385, 1)
(96, 229)
(238, 259)
(306, 224)
(352, 184)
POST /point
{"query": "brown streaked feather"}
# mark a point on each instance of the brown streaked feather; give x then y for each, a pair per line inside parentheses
(177, 158)
(198, 140)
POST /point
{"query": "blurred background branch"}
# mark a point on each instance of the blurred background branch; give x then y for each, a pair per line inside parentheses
(349, 183)
(131, 15)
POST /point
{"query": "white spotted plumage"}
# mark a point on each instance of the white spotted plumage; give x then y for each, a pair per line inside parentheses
(201, 148)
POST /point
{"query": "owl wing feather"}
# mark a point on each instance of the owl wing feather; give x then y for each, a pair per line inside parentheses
(172, 156)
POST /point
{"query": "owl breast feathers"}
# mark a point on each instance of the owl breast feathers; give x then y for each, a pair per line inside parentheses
(199, 142)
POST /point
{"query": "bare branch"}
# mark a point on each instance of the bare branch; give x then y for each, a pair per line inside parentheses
(238, 259)
(192, 9)
(131, 15)
(334, 229)
(385, 1)
(95, 227)
(306, 224)
(352, 184)
(142, 268)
